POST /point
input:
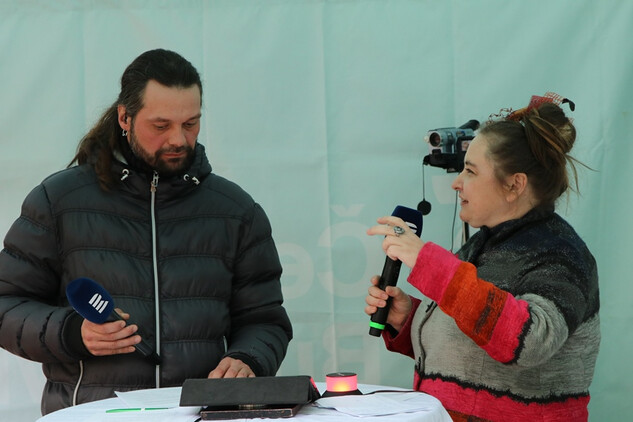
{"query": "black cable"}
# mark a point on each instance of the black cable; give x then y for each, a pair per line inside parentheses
(453, 225)
(424, 206)
(391, 391)
(423, 183)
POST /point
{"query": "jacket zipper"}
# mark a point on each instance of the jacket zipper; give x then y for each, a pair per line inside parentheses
(81, 375)
(153, 186)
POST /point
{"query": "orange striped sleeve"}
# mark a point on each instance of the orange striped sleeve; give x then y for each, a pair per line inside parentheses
(492, 317)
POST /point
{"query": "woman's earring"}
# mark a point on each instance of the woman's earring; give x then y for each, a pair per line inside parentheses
(124, 132)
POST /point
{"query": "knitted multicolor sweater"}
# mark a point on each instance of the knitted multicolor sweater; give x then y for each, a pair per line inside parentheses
(517, 332)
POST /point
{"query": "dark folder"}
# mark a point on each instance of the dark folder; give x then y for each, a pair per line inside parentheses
(239, 398)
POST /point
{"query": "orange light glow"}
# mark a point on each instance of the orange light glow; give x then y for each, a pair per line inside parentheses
(340, 382)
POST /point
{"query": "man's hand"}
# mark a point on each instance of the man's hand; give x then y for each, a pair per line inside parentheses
(231, 368)
(110, 338)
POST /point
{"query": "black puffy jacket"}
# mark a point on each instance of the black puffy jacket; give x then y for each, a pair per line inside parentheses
(191, 258)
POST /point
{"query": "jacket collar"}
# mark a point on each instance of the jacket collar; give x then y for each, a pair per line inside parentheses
(136, 177)
(487, 238)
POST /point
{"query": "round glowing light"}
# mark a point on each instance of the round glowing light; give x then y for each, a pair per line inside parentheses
(341, 382)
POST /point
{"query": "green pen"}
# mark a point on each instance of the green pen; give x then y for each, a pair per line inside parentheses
(135, 409)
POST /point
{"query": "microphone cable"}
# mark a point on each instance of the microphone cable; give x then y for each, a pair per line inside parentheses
(453, 225)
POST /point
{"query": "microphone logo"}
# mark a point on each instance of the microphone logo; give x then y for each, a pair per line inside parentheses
(98, 303)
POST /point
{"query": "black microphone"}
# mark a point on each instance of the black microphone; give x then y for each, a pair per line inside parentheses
(390, 271)
(95, 304)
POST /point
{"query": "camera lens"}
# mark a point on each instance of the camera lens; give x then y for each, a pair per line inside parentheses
(435, 139)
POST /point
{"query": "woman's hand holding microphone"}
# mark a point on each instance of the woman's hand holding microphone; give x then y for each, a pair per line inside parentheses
(400, 243)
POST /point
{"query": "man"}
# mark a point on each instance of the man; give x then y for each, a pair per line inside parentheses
(187, 255)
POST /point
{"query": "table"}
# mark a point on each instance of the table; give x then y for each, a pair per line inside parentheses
(96, 411)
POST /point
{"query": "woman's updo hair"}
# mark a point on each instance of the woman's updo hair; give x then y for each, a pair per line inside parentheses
(536, 142)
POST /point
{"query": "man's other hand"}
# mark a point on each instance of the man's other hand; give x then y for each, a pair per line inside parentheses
(231, 368)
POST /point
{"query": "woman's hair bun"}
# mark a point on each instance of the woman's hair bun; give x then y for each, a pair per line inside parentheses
(535, 140)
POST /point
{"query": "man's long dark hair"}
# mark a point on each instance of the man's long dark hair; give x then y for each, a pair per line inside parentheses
(163, 66)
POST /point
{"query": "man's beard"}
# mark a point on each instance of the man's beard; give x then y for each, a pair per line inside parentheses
(165, 167)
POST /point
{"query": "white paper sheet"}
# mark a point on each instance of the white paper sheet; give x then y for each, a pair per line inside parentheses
(157, 397)
(380, 403)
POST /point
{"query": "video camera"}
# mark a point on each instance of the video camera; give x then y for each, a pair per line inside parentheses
(448, 146)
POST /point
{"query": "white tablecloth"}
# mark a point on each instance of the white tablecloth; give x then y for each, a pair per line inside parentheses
(96, 411)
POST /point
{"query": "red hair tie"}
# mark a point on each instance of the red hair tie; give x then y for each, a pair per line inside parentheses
(536, 101)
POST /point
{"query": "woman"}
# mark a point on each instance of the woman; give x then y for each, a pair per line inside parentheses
(508, 329)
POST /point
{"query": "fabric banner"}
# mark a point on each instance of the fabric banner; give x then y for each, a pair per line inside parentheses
(318, 109)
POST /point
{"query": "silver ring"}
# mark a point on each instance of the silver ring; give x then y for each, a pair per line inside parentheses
(398, 230)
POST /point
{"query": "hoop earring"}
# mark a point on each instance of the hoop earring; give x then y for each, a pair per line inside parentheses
(124, 132)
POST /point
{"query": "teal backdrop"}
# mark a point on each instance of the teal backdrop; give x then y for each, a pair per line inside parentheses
(319, 109)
